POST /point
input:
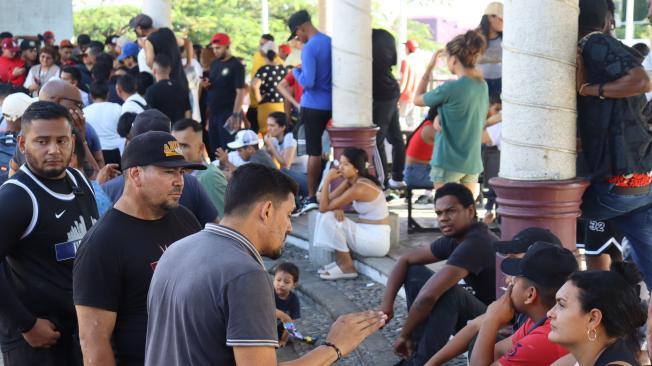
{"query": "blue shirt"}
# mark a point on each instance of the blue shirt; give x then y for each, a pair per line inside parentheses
(315, 74)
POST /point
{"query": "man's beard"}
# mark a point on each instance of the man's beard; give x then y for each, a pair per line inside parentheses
(46, 173)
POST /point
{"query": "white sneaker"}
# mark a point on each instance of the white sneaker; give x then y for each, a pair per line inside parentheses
(393, 184)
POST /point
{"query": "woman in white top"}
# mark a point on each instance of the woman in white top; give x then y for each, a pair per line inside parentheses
(282, 146)
(370, 235)
(40, 74)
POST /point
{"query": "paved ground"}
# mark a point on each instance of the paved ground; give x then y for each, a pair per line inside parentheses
(332, 298)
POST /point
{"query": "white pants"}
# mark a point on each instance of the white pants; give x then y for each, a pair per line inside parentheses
(368, 240)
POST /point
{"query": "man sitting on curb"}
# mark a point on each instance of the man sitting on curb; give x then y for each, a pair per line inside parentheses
(515, 248)
(438, 306)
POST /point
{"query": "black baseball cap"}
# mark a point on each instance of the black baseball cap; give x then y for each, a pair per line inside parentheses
(545, 264)
(83, 39)
(141, 20)
(299, 18)
(150, 120)
(27, 45)
(524, 239)
(156, 148)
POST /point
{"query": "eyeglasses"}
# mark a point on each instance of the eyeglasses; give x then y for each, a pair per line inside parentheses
(78, 104)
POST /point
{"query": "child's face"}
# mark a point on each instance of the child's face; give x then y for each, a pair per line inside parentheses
(283, 283)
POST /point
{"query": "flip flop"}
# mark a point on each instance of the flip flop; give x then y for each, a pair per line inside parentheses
(336, 273)
(325, 268)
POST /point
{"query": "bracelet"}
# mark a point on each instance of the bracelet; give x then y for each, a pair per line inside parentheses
(582, 89)
(329, 344)
(601, 91)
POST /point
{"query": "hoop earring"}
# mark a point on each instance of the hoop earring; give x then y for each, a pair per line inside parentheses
(589, 335)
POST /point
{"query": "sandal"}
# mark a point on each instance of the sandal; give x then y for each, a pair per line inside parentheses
(336, 273)
(325, 268)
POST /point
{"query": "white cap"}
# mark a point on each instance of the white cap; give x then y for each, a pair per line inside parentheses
(268, 46)
(244, 138)
(15, 105)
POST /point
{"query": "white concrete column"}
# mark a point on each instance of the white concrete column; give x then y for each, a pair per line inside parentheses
(351, 44)
(160, 11)
(324, 11)
(264, 4)
(538, 93)
(34, 17)
(629, 22)
(402, 31)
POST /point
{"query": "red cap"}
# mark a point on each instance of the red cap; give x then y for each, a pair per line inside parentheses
(48, 35)
(9, 44)
(221, 39)
(285, 49)
(412, 45)
(66, 44)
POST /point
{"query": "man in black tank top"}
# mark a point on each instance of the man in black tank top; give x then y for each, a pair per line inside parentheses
(46, 210)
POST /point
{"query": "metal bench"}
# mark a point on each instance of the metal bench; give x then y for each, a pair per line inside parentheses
(413, 225)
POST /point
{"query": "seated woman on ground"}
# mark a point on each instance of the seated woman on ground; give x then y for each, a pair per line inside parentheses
(597, 317)
(282, 147)
(369, 236)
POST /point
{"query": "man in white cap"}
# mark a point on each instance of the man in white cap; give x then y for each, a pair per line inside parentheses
(246, 150)
(13, 108)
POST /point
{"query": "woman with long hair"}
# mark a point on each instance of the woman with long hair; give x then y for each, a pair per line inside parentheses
(369, 235)
(491, 62)
(282, 147)
(264, 86)
(462, 106)
(597, 316)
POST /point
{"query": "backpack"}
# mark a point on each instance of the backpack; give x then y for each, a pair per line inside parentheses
(143, 106)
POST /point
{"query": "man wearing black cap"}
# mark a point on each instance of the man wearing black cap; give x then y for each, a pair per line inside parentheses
(537, 277)
(314, 75)
(28, 53)
(121, 251)
(193, 195)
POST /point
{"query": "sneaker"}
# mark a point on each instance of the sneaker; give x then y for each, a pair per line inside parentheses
(391, 196)
(424, 201)
(309, 204)
(393, 184)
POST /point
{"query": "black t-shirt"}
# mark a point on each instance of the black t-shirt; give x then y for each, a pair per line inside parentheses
(474, 253)
(114, 268)
(615, 137)
(225, 77)
(383, 46)
(290, 306)
(270, 76)
(168, 97)
(165, 42)
(618, 351)
(43, 221)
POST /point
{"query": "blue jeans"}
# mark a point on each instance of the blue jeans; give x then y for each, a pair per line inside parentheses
(217, 135)
(417, 175)
(632, 215)
(300, 178)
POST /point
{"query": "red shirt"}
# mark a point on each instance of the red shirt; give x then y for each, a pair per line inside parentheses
(532, 347)
(297, 89)
(417, 148)
(7, 66)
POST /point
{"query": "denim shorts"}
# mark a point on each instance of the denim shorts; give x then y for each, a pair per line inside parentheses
(438, 175)
(417, 175)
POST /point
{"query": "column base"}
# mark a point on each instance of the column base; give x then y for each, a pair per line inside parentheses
(554, 205)
(362, 137)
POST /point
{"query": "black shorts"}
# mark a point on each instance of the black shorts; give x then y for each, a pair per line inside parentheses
(599, 236)
(314, 121)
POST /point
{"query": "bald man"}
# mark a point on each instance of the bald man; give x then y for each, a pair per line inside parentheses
(67, 95)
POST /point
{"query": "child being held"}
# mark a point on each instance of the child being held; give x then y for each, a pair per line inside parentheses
(286, 277)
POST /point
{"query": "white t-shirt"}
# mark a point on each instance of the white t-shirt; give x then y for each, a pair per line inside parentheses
(86, 99)
(494, 132)
(130, 106)
(300, 163)
(235, 159)
(104, 118)
(647, 65)
(142, 62)
(36, 76)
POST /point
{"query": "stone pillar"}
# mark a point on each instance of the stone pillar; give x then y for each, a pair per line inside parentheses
(160, 11)
(265, 15)
(536, 184)
(324, 8)
(351, 42)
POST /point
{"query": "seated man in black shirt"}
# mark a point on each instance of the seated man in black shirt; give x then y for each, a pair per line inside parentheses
(121, 251)
(438, 306)
(166, 95)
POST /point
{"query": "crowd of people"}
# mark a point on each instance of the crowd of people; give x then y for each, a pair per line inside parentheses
(143, 182)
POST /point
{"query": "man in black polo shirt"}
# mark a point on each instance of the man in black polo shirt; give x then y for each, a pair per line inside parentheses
(122, 249)
(46, 210)
(438, 306)
(226, 91)
(211, 302)
(167, 95)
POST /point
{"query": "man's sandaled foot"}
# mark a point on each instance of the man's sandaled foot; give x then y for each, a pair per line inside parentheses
(336, 273)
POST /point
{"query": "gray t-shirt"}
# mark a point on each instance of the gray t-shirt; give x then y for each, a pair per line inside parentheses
(491, 62)
(262, 157)
(209, 293)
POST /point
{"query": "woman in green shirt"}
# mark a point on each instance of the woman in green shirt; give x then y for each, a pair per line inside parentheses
(462, 106)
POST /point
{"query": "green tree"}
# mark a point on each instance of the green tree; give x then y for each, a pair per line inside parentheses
(102, 21)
